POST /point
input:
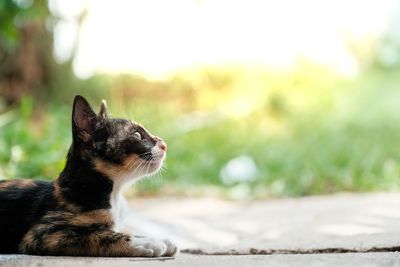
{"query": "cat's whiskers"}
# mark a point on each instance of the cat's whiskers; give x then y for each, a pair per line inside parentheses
(148, 166)
(140, 168)
(133, 161)
(134, 166)
(137, 168)
(130, 162)
(143, 167)
(144, 164)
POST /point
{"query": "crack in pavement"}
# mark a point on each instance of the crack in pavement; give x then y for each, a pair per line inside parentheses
(254, 251)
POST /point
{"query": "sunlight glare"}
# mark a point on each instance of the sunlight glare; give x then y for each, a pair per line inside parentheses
(156, 38)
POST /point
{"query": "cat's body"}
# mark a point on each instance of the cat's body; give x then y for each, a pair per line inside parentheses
(22, 203)
(80, 213)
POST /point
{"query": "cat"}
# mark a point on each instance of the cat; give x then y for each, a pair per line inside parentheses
(81, 212)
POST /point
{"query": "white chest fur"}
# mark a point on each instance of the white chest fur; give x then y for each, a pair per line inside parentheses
(119, 207)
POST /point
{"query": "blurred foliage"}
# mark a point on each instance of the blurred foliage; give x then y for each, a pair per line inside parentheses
(14, 14)
(387, 55)
(10, 10)
(308, 131)
(27, 66)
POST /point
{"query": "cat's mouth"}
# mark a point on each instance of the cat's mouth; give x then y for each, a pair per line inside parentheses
(157, 159)
(151, 165)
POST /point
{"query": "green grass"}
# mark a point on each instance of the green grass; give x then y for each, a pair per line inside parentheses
(308, 132)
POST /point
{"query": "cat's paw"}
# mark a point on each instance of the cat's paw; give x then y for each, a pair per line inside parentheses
(172, 249)
(149, 247)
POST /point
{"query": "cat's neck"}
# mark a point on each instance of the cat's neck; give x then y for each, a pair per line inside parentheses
(82, 185)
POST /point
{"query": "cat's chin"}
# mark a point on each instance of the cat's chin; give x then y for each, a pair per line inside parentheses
(155, 167)
(148, 169)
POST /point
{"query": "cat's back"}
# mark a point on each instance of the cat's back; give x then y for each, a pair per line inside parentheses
(22, 202)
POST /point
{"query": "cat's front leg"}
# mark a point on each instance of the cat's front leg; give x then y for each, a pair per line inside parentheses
(150, 247)
(88, 234)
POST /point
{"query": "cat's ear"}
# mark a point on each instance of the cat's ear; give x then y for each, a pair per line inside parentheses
(84, 119)
(103, 109)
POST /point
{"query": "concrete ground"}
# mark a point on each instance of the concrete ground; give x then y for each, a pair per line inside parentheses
(309, 260)
(344, 229)
(337, 223)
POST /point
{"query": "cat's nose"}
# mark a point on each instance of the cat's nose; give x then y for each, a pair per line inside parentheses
(162, 145)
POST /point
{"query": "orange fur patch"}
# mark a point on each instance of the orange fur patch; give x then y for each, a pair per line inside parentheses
(20, 184)
(95, 216)
(61, 200)
(114, 171)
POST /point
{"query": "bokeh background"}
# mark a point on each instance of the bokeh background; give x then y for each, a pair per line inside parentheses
(255, 99)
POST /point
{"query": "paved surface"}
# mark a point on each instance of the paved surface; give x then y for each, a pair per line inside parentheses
(320, 260)
(344, 222)
(312, 231)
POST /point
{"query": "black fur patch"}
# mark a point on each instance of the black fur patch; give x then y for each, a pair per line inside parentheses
(20, 207)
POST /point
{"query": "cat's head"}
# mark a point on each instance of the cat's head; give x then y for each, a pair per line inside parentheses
(118, 148)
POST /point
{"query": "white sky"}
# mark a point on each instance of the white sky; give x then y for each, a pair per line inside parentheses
(157, 37)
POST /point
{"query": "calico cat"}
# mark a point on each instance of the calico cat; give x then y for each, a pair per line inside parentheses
(80, 213)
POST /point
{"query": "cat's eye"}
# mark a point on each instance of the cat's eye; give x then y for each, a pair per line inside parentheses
(138, 135)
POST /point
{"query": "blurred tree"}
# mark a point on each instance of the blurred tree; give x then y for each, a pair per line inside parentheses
(24, 46)
(26, 61)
